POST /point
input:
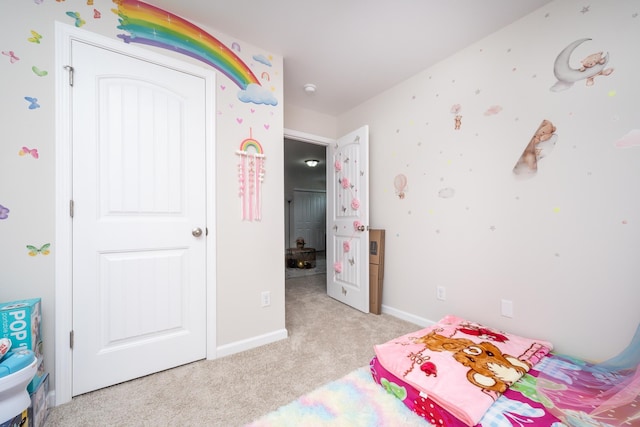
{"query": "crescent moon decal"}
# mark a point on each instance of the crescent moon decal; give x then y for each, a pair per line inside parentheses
(566, 75)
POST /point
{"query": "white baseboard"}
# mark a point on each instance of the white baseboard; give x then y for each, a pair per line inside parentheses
(248, 344)
(420, 321)
(51, 399)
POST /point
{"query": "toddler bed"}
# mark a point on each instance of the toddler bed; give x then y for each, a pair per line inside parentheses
(458, 373)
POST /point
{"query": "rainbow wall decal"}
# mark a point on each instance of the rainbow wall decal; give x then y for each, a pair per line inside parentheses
(147, 24)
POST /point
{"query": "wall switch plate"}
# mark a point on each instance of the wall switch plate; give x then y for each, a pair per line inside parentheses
(265, 297)
(506, 308)
(441, 293)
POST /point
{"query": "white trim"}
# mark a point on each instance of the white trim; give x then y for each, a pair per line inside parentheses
(212, 237)
(250, 343)
(63, 269)
(307, 137)
(311, 139)
(64, 36)
(308, 190)
(420, 321)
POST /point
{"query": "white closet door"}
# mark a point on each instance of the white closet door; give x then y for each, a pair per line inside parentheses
(139, 269)
(309, 212)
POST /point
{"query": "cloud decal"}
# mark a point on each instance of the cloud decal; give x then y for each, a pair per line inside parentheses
(629, 140)
(262, 59)
(258, 95)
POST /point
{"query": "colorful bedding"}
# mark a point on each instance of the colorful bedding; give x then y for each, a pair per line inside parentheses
(513, 408)
(557, 391)
(461, 366)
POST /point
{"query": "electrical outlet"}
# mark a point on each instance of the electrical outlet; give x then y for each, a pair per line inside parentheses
(506, 308)
(441, 293)
(266, 298)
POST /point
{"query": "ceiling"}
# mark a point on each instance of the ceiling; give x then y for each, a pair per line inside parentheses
(352, 50)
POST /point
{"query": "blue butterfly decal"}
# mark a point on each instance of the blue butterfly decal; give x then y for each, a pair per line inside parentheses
(33, 102)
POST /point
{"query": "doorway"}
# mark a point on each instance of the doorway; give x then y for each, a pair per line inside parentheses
(305, 194)
(347, 214)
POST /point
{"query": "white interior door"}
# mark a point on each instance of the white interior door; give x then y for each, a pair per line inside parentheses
(310, 217)
(348, 219)
(139, 264)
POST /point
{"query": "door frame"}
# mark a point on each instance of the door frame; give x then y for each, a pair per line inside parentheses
(310, 139)
(63, 286)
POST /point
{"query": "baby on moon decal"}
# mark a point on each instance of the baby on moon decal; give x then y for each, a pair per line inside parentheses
(593, 65)
(539, 146)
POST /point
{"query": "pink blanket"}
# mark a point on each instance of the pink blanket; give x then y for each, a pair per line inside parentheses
(462, 366)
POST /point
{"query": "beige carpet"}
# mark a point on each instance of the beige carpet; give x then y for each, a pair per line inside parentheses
(327, 340)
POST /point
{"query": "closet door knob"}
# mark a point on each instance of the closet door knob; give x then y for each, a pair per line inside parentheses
(361, 228)
(197, 232)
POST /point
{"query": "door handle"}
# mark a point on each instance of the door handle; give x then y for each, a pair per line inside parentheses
(197, 232)
(361, 228)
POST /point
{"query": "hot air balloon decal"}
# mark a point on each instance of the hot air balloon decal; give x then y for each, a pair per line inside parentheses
(400, 183)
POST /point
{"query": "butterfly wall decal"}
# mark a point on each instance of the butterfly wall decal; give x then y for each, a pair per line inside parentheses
(44, 250)
(38, 71)
(33, 102)
(4, 212)
(35, 37)
(79, 21)
(12, 56)
(33, 152)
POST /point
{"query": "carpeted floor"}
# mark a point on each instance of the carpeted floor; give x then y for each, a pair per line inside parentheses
(327, 340)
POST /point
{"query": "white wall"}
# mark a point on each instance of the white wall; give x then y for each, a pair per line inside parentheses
(310, 122)
(562, 245)
(27, 184)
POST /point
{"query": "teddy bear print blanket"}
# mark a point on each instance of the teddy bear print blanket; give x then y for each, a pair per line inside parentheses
(461, 365)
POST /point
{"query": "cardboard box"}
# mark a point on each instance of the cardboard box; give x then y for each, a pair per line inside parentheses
(38, 377)
(376, 270)
(39, 410)
(19, 420)
(20, 322)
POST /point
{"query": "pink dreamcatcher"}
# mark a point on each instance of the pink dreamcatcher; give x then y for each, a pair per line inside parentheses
(250, 177)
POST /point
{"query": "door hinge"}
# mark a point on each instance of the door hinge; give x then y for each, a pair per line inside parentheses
(71, 208)
(69, 68)
(71, 340)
